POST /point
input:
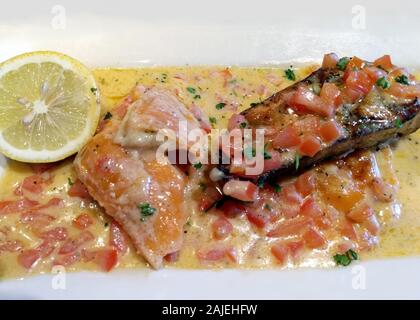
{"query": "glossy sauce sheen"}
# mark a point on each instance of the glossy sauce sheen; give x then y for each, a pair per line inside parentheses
(237, 88)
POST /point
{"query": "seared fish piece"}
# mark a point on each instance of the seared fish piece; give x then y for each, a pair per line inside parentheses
(345, 105)
(120, 170)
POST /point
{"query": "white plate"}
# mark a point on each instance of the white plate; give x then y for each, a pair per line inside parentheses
(259, 32)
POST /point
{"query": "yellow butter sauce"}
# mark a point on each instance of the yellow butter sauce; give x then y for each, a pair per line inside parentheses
(205, 87)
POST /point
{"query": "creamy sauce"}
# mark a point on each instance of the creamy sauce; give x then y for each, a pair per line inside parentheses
(204, 87)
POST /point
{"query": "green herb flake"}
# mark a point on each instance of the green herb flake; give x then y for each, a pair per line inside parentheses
(242, 125)
(383, 83)
(276, 188)
(94, 90)
(191, 90)
(70, 181)
(403, 79)
(213, 120)
(297, 161)
(267, 207)
(290, 74)
(108, 116)
(253, 104)
(146, 210)
(346, 258)
(342, 63)
(203, 186)
(398, 123)
(220, 105)
(267, 155)
(197, 96)
(106, 224)
(198, 165)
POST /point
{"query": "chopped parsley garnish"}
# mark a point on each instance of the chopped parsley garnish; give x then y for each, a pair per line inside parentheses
(108, 115)
(198, 165)
(197, 96)
(212, 120)
(267, 207)
(250, 152)
(253, 104)
(346, 258)
(203, 186)
(242, 125)
(277, 188)
(70, 181)
(93, 90)
(220, 105)
(403, 79)
(383, 83)
(267, 155)
(164, 77)
(297, 161)
(106, 224)
(146, 210)
(342, 63)
(290, 74)
(398, 123)
(191, 90)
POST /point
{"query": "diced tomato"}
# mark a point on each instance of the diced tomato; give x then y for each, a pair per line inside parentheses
(286, 138)
(241, 190)
(384, 62)
(57, 233)
(11, 246)
(274, 162)
(221, 228)
(36, 220)
(71, 245)
(372, 225)
(236, 121)
(296, 248)
(289, 194)
(375, 73)
(9, 206)
(360, 213)
(405, 92)
(352, 95)
(305, 101)
(305, 183)
(310, 208)
(290, 227)
(360, 81)
(117, 237)
(330, 61)
(78, 189)
(289, 212)
(217, 254)
(330, 131)
(82, 221)
(280, 251)
(172, 257)
(257, 218)
(209, 198)
(330, 94)
(310, 146)
(67, 260)
(28, 258)
(383, 191)
(233, 208)
(33, 184)
(347, 230)
(105, 259)
(313, 239)
(355, 62)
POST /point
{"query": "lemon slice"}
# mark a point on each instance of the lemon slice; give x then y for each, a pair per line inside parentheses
(49, 106)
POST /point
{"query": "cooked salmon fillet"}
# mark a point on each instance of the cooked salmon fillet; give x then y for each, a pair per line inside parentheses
(346, 104)
(120, 170)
